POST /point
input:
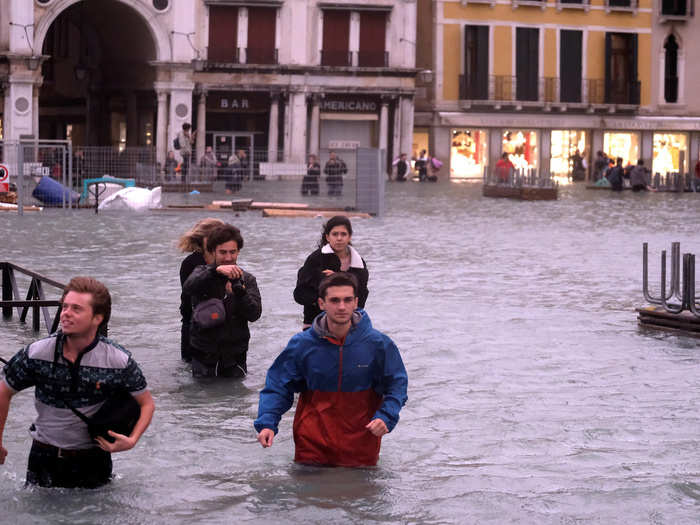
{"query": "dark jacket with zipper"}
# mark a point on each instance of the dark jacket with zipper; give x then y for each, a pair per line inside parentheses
(231, 338)
(311, 274)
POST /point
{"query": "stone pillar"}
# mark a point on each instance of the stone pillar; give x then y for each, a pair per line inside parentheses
(19, 109)
(298, 132)
(201, 125)
(647, 149)
(315, 125)
(161, 128)
(406, 104)
(35, 111)
(354, 44)
(396, 129)
(287, 127)
(384, 133)
(180, 110)
(545, 157)
(273, 128)
(242, 36)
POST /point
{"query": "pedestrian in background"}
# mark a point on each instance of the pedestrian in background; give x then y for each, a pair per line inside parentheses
(310, 182)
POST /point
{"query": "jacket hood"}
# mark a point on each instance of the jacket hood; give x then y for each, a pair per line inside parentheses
(359, 323)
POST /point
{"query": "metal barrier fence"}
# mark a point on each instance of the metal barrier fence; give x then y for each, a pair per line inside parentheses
(249, 177)
(682, 281)
(518, 178)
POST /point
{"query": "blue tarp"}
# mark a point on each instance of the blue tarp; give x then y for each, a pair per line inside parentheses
(50, 191)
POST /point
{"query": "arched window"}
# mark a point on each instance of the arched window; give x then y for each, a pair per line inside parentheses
(671, 70)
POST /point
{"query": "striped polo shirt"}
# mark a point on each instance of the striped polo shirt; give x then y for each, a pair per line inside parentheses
(101, 368)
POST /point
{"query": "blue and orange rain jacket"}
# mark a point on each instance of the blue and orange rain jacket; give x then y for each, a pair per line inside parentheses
(343, 385)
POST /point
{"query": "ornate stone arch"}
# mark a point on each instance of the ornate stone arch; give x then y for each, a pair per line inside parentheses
(158, 32)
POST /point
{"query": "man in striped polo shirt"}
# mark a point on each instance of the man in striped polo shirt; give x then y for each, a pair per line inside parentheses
(79, 368)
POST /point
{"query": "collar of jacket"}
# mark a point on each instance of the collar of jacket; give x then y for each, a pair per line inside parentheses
(320, 325)
(355, 259)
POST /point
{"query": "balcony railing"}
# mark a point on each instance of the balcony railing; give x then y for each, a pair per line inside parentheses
(373, 58)
(260, 55)
(331, 57)
(503, 89)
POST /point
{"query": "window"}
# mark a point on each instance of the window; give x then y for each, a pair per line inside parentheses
(336, 38)
(674, 7)
(671, 70)
(570, 67)
(223, 33)
(372, 39)
(475, 85)
(527, 63)
(621, 85)
(262, 24)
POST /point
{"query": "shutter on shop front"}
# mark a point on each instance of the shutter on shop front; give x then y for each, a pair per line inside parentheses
(570, 65)
(527, 63)
(223, 33)
(336, 38)
(262, 23)
(608, 73)
(632, 47)
(372, 39)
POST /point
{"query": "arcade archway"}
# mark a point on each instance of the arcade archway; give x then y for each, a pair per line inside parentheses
(98, 82)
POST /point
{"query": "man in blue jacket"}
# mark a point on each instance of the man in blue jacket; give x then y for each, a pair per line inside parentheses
(351, 378)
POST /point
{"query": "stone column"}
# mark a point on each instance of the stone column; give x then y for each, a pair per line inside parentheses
(407, 125)
(273, 128)
(161, 128)
(287, 127)
(315, 125)
(35, 111)
(397, 129)
(384, 132)
(545, 157)
(354, 44)
(298, 132)
(200, 142)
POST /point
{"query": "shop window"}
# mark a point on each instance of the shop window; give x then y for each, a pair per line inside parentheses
(468, 153)
(671, 70)
(621, 85)
(372, 40)
(223, 33)
(569, 154)
(623, 145)
(670, 153)
(475, 84)
(336, 38)
(527, 44)
(262, 24)
(521, 147)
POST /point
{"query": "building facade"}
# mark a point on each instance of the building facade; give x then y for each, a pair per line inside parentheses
(540, 79)
(282, 77)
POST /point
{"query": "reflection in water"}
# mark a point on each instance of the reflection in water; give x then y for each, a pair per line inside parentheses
(533, 396)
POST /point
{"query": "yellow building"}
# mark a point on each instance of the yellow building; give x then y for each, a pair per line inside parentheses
(538, 80)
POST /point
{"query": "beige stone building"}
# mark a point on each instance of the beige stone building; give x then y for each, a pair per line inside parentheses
(278, 77)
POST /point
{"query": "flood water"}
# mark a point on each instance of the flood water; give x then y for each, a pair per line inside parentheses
(534, 397)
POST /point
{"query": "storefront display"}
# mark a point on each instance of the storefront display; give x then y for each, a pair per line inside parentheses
(624, 145)
(521, 147)
(569, 154)
(670, 153)
(468, 153)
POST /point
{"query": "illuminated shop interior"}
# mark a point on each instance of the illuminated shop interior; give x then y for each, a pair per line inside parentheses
(521, 147)
(468, 153)
(624, 145)
(565, 143)
(670, 153)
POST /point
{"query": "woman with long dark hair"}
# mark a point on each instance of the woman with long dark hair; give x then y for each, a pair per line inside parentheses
(193, 241)
(334, 254)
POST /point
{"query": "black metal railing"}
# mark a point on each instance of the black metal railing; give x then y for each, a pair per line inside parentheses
(330, 57)
(34, 299)
(506, 89)
(261, 55)
(373, 58)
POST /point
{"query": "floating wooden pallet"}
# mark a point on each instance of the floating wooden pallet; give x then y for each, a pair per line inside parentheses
(525, 193)
(272, 212)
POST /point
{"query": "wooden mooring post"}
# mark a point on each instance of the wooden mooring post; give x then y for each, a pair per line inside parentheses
(35, 297)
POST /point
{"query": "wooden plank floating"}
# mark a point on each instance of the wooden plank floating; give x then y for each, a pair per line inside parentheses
(271, 212)
(14, 207)
(524, 193)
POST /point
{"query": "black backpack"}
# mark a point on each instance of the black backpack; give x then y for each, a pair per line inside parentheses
(176, 143)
